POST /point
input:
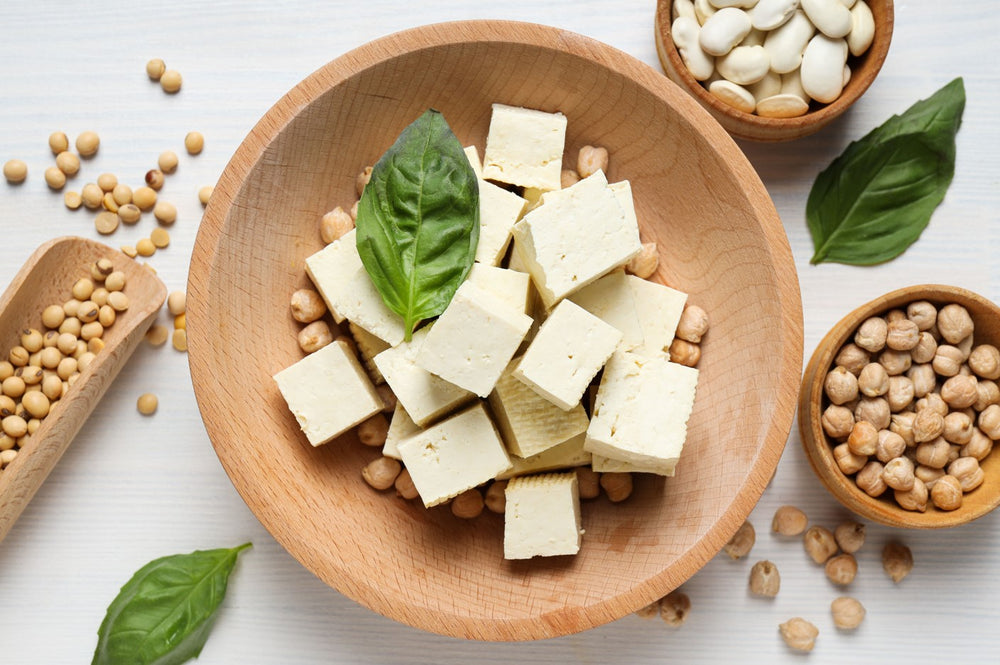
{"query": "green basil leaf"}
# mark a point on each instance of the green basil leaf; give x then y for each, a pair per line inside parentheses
(418, 220)
(876, 198)
(164, 614)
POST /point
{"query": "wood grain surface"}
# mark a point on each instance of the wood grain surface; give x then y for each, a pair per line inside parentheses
(133, 488)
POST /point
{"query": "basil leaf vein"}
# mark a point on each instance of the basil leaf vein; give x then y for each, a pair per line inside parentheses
(163, 615)
(877, 197)
(418, 220)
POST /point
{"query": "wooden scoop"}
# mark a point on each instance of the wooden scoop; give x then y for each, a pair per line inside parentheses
(45, 279)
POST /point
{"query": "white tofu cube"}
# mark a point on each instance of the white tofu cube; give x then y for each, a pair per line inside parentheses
(530, 423)
(623, 194)
(511, 286)
(473, 340)
(564, 456)
(472, 153)
(602, 464)
(641, 411)
(542, 517)
(659, 309)
(425, 397)
(499, 210)
(525, 147)
(611, 299)
(575, 236)
(328, 392)
(567, 353)
(341, 279)
(456, 454)
(401, 427)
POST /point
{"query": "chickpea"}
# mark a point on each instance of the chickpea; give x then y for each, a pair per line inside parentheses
(495, 499)
(373, 431)
(873, 380)
(789, 521)
(874, 410)
(934, 453)
(589, 482)
(925, 349)
(947, 493)
(742, 541)
(898, 474)
(568, 178)
(645, 263)
(315, 336)
(362, 180)
(927, 425)
(895, 362)
(923, 378)
(932, 402)
(765, 579)
(948, 360)
(837, 421)
(863, 439)
(819, 544)
(915, 498)
(799, 634)
(979, 446)
(618, 486)
(840, 385)
(852, 358)
(405, 488)
(900, 394)
(381, 473)
(902, 335)
(959, 391)
(869, 479)
(467, 505)
(871, 334)
(848, 613)
(922, 313)
(989, 421)
(334, 225)
(591, 159)
(842, 569)
(967, 472)
(987, 393)
(674, 608)
(850, 536)
(684, 352)
(954, 323)
(890, 446)
(848, 462)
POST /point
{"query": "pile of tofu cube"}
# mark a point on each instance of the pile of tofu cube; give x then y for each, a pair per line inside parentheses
(494, 388)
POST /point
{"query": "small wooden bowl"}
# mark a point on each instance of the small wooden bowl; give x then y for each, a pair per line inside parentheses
(819, 447)
(743, 125)
(698, 198)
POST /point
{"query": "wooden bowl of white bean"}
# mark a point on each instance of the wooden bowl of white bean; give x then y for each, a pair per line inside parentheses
(899, 408)
(717, 235)
(773, 70)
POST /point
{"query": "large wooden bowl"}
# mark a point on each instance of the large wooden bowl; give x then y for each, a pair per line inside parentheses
(720, 240)
(819, 447)
(744, 125)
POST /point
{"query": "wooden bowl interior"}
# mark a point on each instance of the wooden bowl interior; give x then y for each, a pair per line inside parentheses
(819, 447)
(720, 240)
(864, 69)
(47, 278)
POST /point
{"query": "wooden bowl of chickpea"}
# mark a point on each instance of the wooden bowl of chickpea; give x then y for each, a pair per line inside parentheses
(699, 203)
(899, 408)
(775, 106)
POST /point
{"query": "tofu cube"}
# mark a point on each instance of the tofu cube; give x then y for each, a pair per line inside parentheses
(575, 236)
(525, 147)
(641, 411)
(602, 464)
(530, 423)
(456, 454)
(425, 397)
(542, 517)
(341, 279)
(472, 341)
(401, 427)
(659, 309)
(564, 456)
(499, 210)
(571, 346)
(511, 286)
(611, 299)
(472, 154)
(328, 392)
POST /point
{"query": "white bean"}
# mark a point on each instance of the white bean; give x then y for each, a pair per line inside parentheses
(847, 75)
(724, 30)
(782, 106)
(703, 11)
(753, 38)
(768, 86)
(786, 44)
(744, 64)
(742, 4)
(830, 17)
(848, 3)
(736, 96)
(683, 8)
(823, 68)
(770, 14)
(791, 84)
(862, 28)
(684, 32)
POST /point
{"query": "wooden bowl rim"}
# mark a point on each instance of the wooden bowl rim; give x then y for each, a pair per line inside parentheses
(754, 127)
(353, 63)
(817, 445)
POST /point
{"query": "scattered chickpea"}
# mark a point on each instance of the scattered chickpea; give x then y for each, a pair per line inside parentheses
(591, 159)
(362, 180)
(649, 611)
(147, 404)
(764, 579)
(373, 431)
(405, 488)
(847, 613)
(381, 473)
(684, 352)
(789, 521)
(334, 225)
(693, 324)
(897, 561)
(55, 178)
(742, 541)
(194, 142)
(307, 306)
(850, 536)
(645, 263)
(495, 499)
(315, 336)
(170, 81)
(618, 486)
(799, 634)
(674, 608)
(167, 161)
(568, 178)
(88, 143)
(154, 179)
(205, 193)
(467, 505)
(165, 212)
(819, 544)
(589, 482)
(58, 142)
(842, 569)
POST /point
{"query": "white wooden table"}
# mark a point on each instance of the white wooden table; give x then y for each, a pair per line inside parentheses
(133, 488)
